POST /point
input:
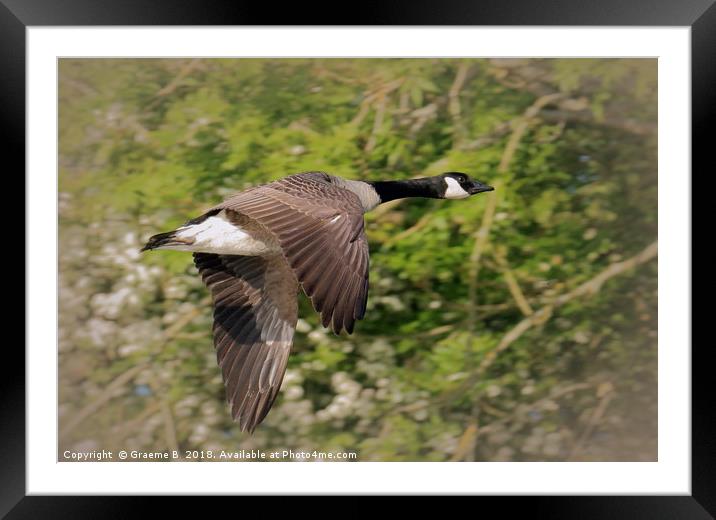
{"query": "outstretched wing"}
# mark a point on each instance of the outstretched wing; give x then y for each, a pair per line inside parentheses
(255, 315)
(320, 229)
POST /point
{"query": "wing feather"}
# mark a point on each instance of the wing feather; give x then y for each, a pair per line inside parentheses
(255, 315)
(319, 227)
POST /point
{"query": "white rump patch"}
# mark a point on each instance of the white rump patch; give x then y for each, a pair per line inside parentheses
(218, 235)
(454, 190)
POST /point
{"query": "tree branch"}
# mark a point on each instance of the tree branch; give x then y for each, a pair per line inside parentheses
(482, 235)
(466, 444)
(607, 391)
(591, 286)
(183, 73)
(174, 83)
(377, 123)
(628, 125)
(170, 432)
(512, 284)
(454, 103)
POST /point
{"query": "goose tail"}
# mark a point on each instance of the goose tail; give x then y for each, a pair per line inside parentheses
(164, 240)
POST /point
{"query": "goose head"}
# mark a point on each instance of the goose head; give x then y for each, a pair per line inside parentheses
(458, 185)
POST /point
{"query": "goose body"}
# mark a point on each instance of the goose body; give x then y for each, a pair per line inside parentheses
(257, 248)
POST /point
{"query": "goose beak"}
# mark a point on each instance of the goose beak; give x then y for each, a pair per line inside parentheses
(478, 187)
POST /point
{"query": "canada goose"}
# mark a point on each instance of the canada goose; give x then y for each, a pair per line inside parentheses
(256, 248)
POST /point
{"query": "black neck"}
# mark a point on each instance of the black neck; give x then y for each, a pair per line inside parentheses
(428, 187)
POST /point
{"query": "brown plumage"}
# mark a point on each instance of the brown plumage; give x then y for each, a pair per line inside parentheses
(255, 249)
(319, 227)
(253, 328)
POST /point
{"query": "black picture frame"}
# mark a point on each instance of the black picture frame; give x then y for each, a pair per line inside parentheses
(700, 15)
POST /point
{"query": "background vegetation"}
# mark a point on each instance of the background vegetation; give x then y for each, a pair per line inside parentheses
(517, 325)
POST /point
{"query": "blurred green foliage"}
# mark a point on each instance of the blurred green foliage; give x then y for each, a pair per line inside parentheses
(146, 144)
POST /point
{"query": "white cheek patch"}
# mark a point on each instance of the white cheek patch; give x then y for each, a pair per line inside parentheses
(454, 190)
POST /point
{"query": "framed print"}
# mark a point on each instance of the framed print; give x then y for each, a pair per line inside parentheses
(510, 317)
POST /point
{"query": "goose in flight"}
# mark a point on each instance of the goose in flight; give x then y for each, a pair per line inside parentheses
(254, 251)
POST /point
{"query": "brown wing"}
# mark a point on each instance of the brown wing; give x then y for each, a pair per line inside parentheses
(320, 229)
(254, 320)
